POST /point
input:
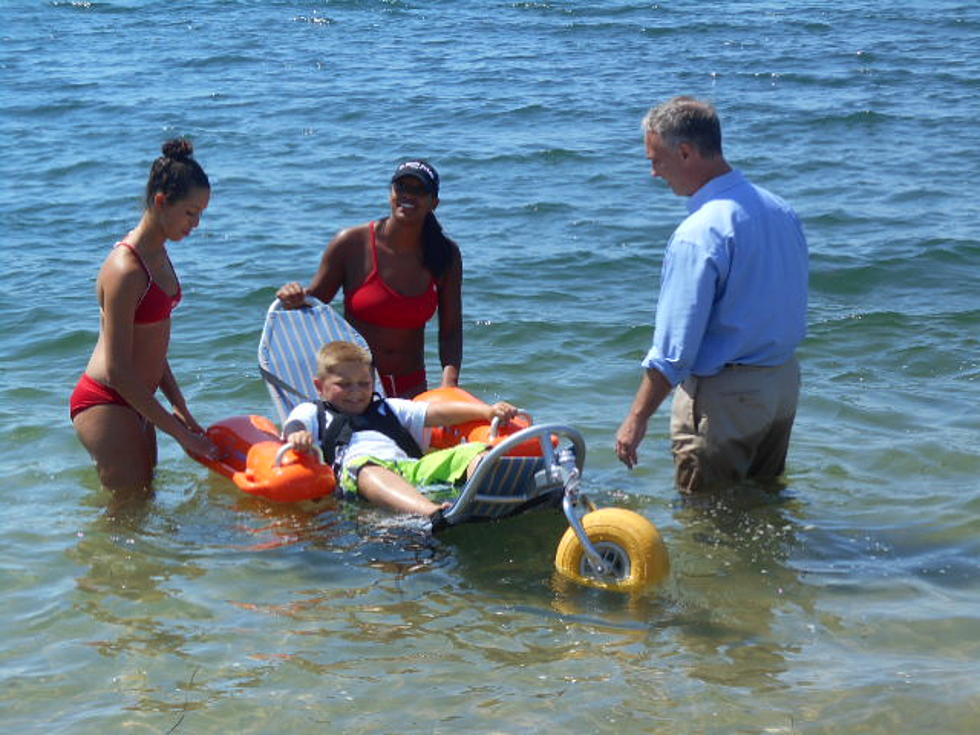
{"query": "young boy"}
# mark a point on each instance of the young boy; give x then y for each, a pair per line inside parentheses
(376, 446)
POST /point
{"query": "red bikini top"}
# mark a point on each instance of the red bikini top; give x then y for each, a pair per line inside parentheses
(155, 304)
(375, 302)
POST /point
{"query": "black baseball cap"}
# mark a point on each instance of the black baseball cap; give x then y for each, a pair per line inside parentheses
(421, 170)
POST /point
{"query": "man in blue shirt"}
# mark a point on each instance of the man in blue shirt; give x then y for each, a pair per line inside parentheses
(731, 312)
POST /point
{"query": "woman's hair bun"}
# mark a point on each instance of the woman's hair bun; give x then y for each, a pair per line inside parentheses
(178, 149)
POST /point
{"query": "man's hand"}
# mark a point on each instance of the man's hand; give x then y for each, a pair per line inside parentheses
(628, 439)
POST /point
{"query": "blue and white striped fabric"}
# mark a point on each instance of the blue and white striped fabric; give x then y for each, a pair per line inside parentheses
(290, 341)
(509, 486)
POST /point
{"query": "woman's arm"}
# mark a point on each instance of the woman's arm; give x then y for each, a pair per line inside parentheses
(168, 384)
(328, 278)
(122, 286)
(451, 322)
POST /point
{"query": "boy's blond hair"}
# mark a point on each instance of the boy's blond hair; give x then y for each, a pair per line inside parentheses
(335, 353)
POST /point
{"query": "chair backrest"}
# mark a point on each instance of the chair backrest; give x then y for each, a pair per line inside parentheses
(288, 348)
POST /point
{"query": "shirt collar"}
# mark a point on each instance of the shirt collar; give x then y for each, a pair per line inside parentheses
(713, 189)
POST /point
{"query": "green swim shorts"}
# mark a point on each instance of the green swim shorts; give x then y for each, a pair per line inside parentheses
(444, 466)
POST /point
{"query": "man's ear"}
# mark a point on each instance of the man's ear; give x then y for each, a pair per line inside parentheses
(686, 150)
(319, 384)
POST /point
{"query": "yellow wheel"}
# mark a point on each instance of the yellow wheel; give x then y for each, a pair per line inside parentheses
(630, 547)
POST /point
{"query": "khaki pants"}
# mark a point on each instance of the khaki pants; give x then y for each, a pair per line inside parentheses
(733, 426)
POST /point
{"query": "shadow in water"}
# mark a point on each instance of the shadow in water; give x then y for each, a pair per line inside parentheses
(514, 561)
(506, 556)
(139, 547)
(733, 581)
(130, 583)
(328, 532)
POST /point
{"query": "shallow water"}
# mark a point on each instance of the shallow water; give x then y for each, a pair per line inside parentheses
(848, 603)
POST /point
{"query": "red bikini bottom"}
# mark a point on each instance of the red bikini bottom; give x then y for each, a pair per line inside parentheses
(408, 385)
(90, 392)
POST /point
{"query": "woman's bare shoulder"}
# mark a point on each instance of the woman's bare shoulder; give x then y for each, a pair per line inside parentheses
(121, 268)
(351, 239)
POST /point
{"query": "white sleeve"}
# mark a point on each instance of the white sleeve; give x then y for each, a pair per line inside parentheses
(411, 415)
(303, 418)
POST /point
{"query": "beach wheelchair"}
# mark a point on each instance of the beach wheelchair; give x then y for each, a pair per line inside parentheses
(528, 466)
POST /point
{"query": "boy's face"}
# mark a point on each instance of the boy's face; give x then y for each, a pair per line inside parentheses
(348, 386)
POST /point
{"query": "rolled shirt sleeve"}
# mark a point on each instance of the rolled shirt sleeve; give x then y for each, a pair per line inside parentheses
(689, 281)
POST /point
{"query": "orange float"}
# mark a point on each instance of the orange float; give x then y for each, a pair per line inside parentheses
(258, 462)
(477, 431)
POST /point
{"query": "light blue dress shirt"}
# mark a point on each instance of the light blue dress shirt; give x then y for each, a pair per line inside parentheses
(734, 283)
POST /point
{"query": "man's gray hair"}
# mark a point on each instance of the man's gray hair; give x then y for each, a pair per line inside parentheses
(686, 120)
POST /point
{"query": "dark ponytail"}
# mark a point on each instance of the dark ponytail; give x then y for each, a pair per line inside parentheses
(438, 251)
(176, 172)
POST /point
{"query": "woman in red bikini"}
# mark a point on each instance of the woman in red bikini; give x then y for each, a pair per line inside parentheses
(396, 273)
(113, 406)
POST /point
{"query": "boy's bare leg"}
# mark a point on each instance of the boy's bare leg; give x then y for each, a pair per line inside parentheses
(471, 467)
(381, 486)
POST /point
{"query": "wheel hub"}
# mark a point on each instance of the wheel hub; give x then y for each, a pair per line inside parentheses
(614, 559)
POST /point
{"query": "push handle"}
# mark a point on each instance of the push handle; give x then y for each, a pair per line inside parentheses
(289, 445)
(495, 424)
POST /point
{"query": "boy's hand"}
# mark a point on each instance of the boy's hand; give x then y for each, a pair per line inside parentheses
(503, 411)
(302, 441)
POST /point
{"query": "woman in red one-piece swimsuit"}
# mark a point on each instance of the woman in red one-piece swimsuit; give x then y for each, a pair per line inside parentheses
(113, 406)
(396, 273)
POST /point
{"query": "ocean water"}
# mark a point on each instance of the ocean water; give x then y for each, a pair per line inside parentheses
(848, 604)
